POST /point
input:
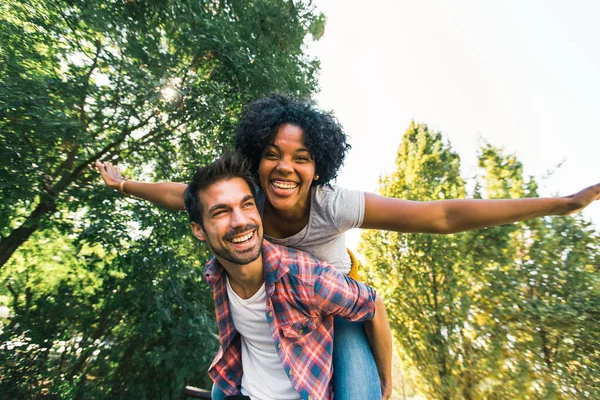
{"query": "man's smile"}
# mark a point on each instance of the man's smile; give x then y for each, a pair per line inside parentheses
(242, 238)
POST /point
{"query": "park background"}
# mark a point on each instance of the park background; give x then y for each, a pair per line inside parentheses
(441, 100)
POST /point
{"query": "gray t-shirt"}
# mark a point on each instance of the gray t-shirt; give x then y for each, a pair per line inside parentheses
(333, 211)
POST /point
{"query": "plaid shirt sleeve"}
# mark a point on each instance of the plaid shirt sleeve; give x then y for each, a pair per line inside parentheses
(338, 294)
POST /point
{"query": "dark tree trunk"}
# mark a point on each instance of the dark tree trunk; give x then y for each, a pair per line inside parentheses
(18, 236)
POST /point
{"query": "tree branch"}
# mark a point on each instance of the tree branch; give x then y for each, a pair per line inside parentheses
(74, 31)
(86, 85)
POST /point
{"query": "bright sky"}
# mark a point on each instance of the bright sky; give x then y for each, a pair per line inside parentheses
(524, 75)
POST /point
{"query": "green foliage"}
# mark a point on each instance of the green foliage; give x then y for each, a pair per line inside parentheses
(544, 293)
(143, 81)
(497, 313)
(419, 275)
(137, 323)
(106, 292)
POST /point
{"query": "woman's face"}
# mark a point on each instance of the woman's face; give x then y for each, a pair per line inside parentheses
(286, 170)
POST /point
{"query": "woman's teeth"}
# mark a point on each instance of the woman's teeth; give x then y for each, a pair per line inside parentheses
(244, 238)
(285, 185)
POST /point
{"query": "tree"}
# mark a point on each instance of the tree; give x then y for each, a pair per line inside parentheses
(135, 321)
(106, 292)
(419, 276)
(142, 81)
(497, 313)
(544, 296)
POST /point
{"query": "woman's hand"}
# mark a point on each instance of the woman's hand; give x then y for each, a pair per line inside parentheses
(386, 389)
(110, 174)
(581, 199)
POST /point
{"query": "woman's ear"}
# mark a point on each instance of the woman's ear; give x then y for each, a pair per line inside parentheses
(198, 231)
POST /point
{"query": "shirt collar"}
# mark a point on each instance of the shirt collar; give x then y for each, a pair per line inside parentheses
(272, 265)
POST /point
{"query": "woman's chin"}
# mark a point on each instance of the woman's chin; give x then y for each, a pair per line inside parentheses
(280, 204)
(282, 197)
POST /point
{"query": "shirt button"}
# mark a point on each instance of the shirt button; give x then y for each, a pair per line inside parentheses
(300, 331)
(278, 345)
(310, 398)
(290, 372)
(270, 314)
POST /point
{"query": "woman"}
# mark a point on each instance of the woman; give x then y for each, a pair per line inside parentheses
(296, 151)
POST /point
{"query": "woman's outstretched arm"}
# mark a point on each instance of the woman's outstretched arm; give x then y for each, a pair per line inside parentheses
(168, 194)
(451, 216)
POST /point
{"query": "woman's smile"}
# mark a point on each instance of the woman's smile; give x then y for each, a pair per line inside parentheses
(284, 185)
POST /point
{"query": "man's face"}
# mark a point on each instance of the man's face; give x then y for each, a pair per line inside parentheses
(232, 224)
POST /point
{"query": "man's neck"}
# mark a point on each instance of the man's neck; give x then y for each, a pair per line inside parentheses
(247, 279)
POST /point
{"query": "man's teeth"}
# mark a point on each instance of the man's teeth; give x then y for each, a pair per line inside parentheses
(285, 185)
(244, 238)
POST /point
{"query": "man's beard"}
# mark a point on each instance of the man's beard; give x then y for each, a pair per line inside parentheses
(239, 257)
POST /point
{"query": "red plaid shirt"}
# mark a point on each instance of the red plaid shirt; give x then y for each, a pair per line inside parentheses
(303, 295)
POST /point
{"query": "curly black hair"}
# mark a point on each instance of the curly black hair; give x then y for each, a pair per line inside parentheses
(323, 134)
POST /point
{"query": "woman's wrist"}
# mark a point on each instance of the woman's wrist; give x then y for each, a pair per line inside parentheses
(121, 187)
(565, 205)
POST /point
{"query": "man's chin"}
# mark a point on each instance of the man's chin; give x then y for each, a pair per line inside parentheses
(248, 260)
(240, 257)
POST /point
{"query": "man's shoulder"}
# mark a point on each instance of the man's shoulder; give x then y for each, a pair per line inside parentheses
(212, 271)
(300, 263)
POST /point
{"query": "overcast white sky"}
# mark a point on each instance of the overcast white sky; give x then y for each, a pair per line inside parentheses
(524, 75)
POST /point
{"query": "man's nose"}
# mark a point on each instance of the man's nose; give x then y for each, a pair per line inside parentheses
(239, 218)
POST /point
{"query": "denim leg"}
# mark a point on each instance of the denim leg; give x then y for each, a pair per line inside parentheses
(354, 371)
(217, 394)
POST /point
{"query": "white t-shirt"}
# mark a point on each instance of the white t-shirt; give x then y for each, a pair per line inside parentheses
(264, 377)
(333, 211)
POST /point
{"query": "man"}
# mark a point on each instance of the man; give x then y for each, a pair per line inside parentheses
(274, 305)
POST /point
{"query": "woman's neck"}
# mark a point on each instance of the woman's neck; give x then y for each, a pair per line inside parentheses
(281, 224)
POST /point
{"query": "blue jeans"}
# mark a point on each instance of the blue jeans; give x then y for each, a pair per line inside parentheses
(217, 394)
(355, 373)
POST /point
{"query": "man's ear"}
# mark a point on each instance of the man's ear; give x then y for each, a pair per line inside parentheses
(198, 231)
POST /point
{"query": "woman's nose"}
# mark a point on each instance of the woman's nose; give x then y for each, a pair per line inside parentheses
(284, 166)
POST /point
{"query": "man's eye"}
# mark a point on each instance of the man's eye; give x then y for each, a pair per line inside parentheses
(249, 204)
